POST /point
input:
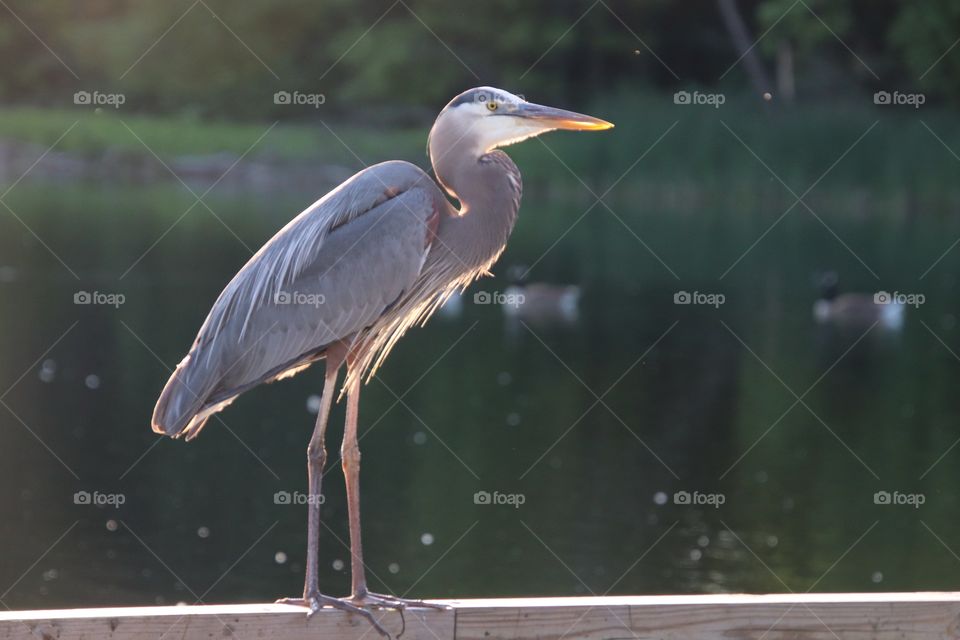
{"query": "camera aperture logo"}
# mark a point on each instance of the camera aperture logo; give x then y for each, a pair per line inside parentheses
(499, 297)
(907, 299)
(100, 298)
(897, 98)
(299, 298)
(699, 298)
(496, 498)
(698, 98)
(99, 99)
(99, 499)
(298, 98)
(700, 499)
(897, 498)
(298, 498)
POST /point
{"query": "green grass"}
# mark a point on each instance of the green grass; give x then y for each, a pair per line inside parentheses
(167, 136)
(901, 154)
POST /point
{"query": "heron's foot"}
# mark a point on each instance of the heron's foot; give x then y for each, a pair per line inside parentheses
(317, 601)
(370, 599)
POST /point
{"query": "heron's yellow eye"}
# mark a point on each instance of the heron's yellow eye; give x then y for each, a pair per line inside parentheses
(492, 106)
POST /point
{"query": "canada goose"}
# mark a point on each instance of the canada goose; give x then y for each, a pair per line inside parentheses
(539, 302)
(856, 309)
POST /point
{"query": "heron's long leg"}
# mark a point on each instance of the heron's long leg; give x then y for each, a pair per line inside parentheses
(316, 459)
(350, 454)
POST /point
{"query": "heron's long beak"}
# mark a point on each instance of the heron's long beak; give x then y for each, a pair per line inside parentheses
(560, 118)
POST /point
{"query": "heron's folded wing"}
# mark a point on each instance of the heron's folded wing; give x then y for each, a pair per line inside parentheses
(327, 274)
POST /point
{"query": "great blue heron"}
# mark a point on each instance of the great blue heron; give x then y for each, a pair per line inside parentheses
(347, 277)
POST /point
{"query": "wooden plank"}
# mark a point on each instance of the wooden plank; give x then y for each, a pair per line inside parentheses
(244, 621)
(879, 616)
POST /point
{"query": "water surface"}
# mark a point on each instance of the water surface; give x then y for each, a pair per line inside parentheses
(597, 424)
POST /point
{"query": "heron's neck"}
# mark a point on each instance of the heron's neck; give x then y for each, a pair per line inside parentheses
(488, 188)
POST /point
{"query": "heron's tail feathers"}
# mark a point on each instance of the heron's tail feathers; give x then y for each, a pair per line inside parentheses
(184, 405)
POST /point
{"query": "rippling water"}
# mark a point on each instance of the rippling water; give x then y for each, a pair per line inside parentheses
(588, 432)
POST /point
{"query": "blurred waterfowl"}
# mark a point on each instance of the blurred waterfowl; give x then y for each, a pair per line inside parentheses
(855, 309)
(539, 303)
(344, 280)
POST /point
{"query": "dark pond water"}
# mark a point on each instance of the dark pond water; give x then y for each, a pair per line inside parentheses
(597, 425)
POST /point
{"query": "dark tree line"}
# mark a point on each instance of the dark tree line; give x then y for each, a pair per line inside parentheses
(228, 58)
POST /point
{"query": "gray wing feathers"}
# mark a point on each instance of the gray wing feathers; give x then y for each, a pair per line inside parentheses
(330, 272)
(363, 268)
(278, 263)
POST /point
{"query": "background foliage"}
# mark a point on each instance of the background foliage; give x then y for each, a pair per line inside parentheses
(200, 64)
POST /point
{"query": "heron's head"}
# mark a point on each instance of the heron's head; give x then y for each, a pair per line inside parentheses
(482, 119)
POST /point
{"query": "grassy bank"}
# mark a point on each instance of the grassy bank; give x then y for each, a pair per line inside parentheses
(108, 130)
(881, 148)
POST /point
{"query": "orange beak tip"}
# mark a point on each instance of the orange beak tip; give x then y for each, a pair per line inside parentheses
(581, 125)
